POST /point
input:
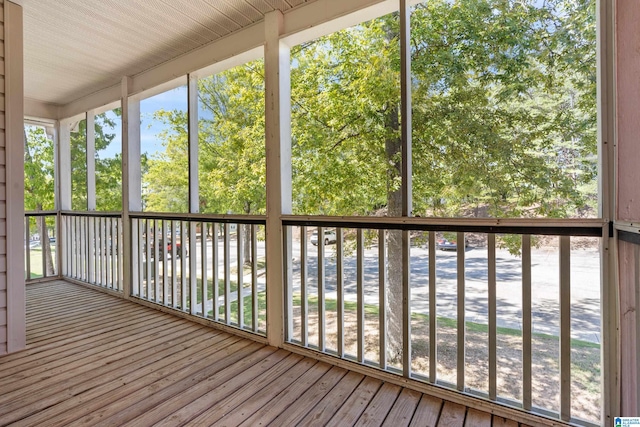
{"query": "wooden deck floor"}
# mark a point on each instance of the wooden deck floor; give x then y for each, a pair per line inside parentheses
(95, 360)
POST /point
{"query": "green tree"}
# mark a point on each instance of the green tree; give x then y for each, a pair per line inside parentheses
(108, 170)
(39, 185)
(493, 120)
(231, 153)
(503, 120)
(39, 175)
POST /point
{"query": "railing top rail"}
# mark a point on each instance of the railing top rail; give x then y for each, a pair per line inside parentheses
(92, 213)
(40, 213)
(226, 218)
(541, 226)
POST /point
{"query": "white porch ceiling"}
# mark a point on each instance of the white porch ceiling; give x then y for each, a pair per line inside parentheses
(73, 48)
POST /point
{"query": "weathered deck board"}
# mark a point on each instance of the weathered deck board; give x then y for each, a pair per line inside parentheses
(403, 409)
(380, 406)
(93, 359)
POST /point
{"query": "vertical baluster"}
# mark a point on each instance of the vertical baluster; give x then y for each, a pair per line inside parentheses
(98, 245)
(406, 304)
(174, 267)
(240, 258)
(159, 254)
(461, 312)
(382, 298)
(204, 228)
(73, 246)
(165, 266)
(183, 265)
(193, 266)
(68, 246)
(113, 252)
(321, 285)
(103, 251)
(76, 250)
(107, 251)
(340, 289)
(27, 249)
(85, 248)
(44, 259)
(526, 322)
(493, 343)
(565, 328)
(360, 293)
(288, 252)
(64, 244)
(98, 248)
(135, 255)
(79, 246)
(149, 245)
(254, 274)
(120, 237)
(215, 276)
(304, 300)
(227, 275)
(141, 256)
(91, 268)
(433, 324)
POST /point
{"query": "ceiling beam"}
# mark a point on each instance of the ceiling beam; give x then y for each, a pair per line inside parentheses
(40, 110)
(303, 23)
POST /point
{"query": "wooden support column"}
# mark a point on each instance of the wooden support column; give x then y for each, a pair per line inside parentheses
(63, 166)
(609, 290)
(131, 179)
(626, 89)
(192, 114)
(91, 161)
(407, 203)
(278, 158)
(12, 207)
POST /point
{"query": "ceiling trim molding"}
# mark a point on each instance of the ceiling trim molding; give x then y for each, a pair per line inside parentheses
(324, 17)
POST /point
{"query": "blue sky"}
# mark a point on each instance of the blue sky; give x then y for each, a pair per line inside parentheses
(149, 128)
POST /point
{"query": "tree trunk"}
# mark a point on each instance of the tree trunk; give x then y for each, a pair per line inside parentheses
(246, 237)
(393, 149)
(41, 224)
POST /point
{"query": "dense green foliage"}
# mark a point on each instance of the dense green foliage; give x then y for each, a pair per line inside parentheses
(504, 120)
(39, 168)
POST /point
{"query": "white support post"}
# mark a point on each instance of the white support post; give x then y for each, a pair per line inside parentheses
(131, 180)
(194, 197)
(14, 177)
(54, 133)
(64, 166)
(192, 113)
(278, 153)
(405, 124)
(91, 161)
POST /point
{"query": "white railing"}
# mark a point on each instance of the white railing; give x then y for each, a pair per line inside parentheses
(92, 248)
(390, 294)
(209, 267)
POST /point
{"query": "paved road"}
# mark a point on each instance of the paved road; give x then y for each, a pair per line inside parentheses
(585, 284)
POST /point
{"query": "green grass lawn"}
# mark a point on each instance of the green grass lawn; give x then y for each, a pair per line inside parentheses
(35, 259)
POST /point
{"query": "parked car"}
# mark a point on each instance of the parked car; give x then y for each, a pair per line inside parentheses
(449, 245)
(168, 246)
(329, 237)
